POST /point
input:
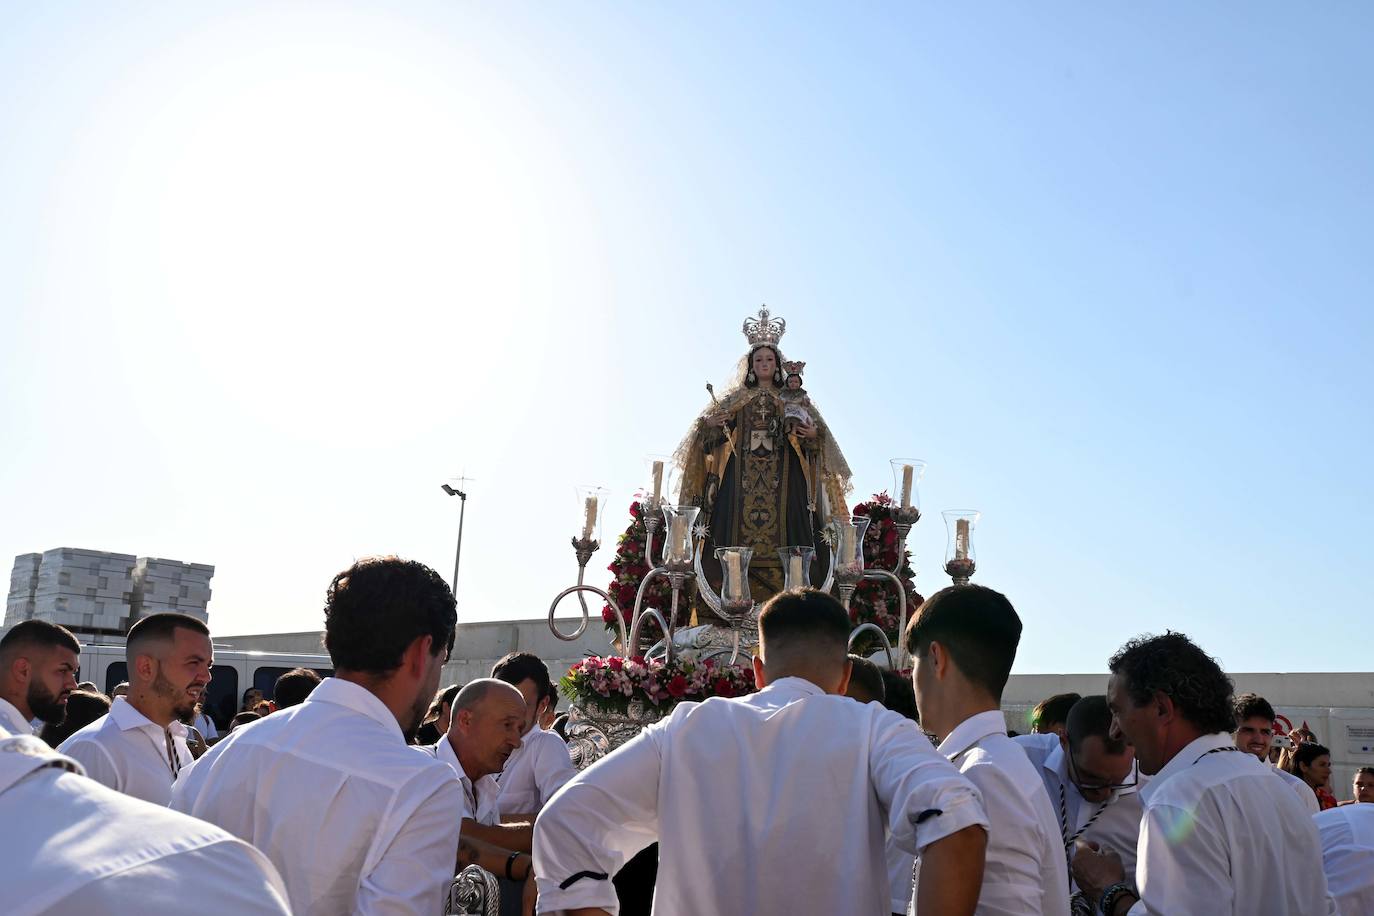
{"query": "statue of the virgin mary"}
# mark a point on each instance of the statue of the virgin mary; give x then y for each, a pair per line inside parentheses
(762, 464)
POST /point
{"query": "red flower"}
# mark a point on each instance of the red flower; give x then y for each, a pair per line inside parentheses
(724, 688)
(615, 662)
(634, 509)
(677, 687)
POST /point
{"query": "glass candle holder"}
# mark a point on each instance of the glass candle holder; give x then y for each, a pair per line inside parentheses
(906, 483)
(850, 544)
(734, 567)
(960, 558)
(796, 566)
(591, 506)
(678, 523)
(660, 478)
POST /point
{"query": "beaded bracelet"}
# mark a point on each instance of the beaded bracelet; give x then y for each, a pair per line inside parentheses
(1111, 895)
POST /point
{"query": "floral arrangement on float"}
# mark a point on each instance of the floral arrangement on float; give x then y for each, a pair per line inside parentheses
(613, 684)
(875, 601)
(630, 566)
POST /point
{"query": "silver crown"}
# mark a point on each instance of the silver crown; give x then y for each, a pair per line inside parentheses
(764, 329)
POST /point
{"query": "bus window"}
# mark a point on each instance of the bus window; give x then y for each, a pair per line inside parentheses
(114, 675)
(265, 678)
(222, 696)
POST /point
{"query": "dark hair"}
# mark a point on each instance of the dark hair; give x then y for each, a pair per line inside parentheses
(1369, 770)
(160, 626)
(1305, 754)
(29, 633)
(244, 701)
(83, 708)
(778, 378)
(978, 627)
(293, 687)
(1172, 665)
(868, 676)
(1053, 710)
(804, 615)
(243, 718)
(378, 606)
(1248, 705)
(1092, 717)
(515, 667)
(899, 695)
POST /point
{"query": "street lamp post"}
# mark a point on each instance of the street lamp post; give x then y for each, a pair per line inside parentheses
(462, 510)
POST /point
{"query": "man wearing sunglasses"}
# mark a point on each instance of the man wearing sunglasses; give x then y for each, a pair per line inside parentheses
(1091, 779)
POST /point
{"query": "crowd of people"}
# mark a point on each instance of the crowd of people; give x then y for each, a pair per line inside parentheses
(837, 787)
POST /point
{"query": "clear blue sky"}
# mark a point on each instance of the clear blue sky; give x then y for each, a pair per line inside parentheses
(270, 273)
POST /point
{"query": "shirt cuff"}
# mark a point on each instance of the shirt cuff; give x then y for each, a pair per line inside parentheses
(585, 892)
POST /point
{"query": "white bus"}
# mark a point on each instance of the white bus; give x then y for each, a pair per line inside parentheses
(233, 673)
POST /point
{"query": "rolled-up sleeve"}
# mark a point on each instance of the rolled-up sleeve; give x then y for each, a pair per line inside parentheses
(925, 796)
(595, 824)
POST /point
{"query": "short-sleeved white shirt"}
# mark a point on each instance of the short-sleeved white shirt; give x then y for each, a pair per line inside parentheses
(538, 768)
(128, 752)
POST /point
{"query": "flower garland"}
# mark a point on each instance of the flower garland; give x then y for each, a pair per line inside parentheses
(630, 566)
(875, 600)
(614, 682)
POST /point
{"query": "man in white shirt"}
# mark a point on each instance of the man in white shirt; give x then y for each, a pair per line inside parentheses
(541, 764)
(773, 803)
(1218, 833)
(1091, 779)
(139, 747)
(1347, 838)
(354, 819)
(71, 845)
(1255, 735)
(38, 665)
(963, 642)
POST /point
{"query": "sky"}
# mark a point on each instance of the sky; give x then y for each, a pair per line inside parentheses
(270, 274)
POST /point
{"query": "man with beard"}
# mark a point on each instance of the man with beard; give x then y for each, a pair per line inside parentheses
(38, 665)
(354, 819)
(139, 747)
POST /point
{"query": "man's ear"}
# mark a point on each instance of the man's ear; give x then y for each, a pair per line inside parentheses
(1164, 708)
(844, 681)
(21, 670)
(417, 655)
(939, 660)
(760, 673)
(146, 666)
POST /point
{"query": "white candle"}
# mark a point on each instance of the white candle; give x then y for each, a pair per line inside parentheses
(847, 543)
(961, 539)
(906, 486)
(794, 571)
(735, 591)
(679, 548)
(658, 480)
(589, 524)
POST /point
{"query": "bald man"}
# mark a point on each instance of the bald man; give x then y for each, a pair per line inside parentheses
(774, 803)
(484, 730)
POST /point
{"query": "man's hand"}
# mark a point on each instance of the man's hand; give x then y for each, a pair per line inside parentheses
(1096, 869)
(806, 431)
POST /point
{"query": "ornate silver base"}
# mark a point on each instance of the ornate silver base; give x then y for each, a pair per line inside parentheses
(594, 731)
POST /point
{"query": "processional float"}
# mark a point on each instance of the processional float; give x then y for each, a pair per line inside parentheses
(596, 727)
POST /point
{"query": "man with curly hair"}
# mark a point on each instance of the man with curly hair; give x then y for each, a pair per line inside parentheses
(355, 820)
(1216, 836)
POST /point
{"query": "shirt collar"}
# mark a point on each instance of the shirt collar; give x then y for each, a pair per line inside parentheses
(1056, 761)
(794, 685)
(12, 719)
(126, 717)
(357, 698)
(972, 730)
(1184, 759)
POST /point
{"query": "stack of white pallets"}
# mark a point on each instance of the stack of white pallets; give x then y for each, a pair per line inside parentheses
(23, 583)
(84, 589)
(170, 585)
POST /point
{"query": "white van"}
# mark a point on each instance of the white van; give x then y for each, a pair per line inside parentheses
(232, 674)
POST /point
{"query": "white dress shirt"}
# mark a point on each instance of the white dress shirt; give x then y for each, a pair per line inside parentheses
(130, 753)
(12, 720)
(1220, 835)
(538, 768)
(774, 803)
(1026, 871)
(71, 845)
(1347, 838)
(354, 819)
(1304, 792)
(479, 798)
(1115, 823)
